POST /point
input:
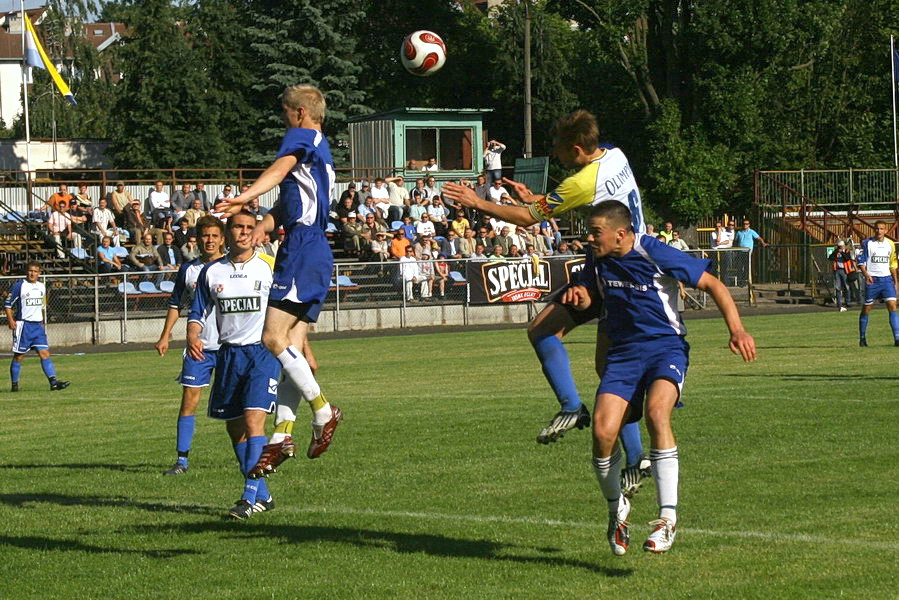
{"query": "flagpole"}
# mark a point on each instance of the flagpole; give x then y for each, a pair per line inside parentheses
(25, 96)
(893, 94)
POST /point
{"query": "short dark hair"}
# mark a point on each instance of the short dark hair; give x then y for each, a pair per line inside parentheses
(616, 213)
(209, 221)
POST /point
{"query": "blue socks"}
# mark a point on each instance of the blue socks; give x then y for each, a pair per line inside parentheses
(185, 437)
(633, 446)
(251, 456)
(862, 325)
(15, 367)
(557, 370)
(49, 369)
(894, 324)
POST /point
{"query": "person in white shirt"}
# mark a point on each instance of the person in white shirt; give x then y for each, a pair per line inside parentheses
(399, 195)
(104, 222)
(160, 207)
(431, 165)
(411, 275)
(496, 192)
(677, 242)
(493, 165)
(425, 226)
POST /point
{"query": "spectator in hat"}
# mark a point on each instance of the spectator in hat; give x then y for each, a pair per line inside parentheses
(354, 241)
(380, 247)
(351, 193)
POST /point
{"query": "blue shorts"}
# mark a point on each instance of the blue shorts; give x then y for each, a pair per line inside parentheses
(882, 287)
(302, 270)
(197, 373)
(28, 335)
(632, 368)
(246, 378)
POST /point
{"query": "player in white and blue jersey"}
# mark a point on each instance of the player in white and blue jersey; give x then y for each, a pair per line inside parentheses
(195, 374)
(25, 316)
(877, 262)
(636, 276)
(304, 174)
(233, 293)
(604, 175)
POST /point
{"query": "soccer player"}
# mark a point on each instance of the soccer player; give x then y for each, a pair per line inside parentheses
(304, 172)
(877, 262)
(25, 316)
(233, 294)
(637, 277)
(604, 175)
(195, 374)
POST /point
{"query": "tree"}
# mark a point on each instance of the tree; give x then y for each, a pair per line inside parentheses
(165, 117)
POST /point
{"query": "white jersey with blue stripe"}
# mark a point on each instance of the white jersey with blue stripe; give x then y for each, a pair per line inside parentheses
(183, 295)
(878, 258)
(27, 300)
(306, 192)
(640, 289)
(235, 296)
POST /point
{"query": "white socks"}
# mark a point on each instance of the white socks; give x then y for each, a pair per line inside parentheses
(297, 370)
(665, 470)
(608, 474)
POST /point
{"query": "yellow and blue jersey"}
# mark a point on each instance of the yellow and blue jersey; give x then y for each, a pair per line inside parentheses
(608, 177)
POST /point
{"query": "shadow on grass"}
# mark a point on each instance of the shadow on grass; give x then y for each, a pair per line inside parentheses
(21, 500)
(819, 377)
(66, 545)
(403, 543)
(140, 468)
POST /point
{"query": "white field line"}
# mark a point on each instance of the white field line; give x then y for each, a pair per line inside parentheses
(799, 538)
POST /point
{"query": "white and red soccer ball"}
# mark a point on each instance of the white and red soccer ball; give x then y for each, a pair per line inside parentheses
(423, 53)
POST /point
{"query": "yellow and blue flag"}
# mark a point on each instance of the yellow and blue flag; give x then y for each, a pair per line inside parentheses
(36, 57)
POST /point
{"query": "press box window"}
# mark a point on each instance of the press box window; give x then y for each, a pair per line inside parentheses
(451, 147)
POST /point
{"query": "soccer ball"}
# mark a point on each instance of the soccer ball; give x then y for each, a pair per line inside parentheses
(423, 53)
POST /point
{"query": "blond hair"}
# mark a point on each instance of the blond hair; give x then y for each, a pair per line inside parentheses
(308, 97)
(577, 129)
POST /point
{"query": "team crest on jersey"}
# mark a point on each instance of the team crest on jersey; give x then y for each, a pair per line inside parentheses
(257, 286)
(219, 288)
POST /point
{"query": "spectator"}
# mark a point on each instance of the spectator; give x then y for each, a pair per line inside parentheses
(431, 165)
(381, 197)
(426, 272)
(380, 247)
(530, 251)
(120, 199)
(478, 254)
(745, 238)
(255, 209)
(351, 193)
(79, 219)
(194, 214)
(563, 250)
(182, 200)
(467, 244)
(144, 256)
(373, 226)
(227, 193)
(364, 193)
(399, 198)
(60, 225)
(398, 245)
(514, 252)
(59, 197)
(668, 233)
(451, 246)
(200, 193)
(441, 275)
(431, 187)
(650, 229)
(104, 222)
(485, 237)
(410, 275)
(134, 220)
(496, 193)
(843, 268)
(497, 254)
(425, 246)
(722, 237)
(425, 227)
(504, 240)
(438, 214)
(417, 210)
(493, 166)
(677, 242)
(460, 223)
(169, 254)
(549, 229)
(409, 230)
(354, 241)
(107, 260)
(83, 200)
(160, 207)
(419, 193)
(190, 250)
(342, 211)
(367, 208)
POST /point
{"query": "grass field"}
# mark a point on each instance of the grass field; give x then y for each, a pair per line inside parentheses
(435, 488)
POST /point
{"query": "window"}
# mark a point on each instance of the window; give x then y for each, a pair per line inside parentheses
(451, 146)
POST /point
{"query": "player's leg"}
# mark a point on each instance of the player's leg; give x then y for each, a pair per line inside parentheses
(50, 370)
(15, 370)
(195, 375)
(237, 432)
(894, 320)
(609, 415)
(863, 315)
(279, 320)
(661, 398)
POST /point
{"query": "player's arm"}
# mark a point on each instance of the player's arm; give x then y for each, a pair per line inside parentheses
(577, 296)
(10, 318)
(740, 341)
(171, 317)
(519, 215)
(269, 222)
(199, 311)
(271, 177)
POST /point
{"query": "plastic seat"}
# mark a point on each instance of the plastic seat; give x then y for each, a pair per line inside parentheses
(147, 287)
(128, 288)
(457, 277)
(121, 252)
(395, 225)
(167, 286)
(344, 281)
(79, 253)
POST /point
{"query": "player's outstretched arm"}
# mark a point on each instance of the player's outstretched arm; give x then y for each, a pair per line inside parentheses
(465, 196)
(525, 194)
(740, 342)
(271, 177)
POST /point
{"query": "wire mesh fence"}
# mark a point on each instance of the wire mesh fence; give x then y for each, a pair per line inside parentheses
(130, 307)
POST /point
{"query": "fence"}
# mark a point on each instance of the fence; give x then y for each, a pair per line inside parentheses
(130, 307)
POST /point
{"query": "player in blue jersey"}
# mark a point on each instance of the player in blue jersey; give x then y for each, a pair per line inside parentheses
(304, 174)
(233, 293)
(878, 264)
(604, 175)
(636, 276)
(25, 316)
(195, 374)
